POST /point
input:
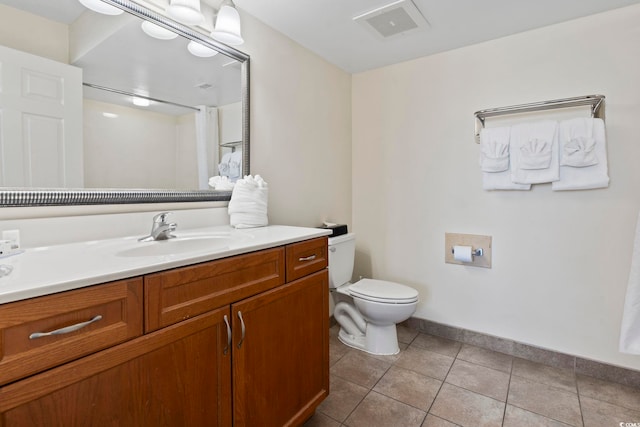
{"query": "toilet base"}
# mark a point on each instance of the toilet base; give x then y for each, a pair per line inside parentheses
(378, 340)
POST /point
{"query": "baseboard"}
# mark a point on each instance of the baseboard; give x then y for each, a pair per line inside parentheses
(580, 365)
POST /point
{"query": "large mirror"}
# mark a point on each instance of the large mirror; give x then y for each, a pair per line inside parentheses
(128, 118)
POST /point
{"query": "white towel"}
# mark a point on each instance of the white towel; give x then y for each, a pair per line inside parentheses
(248, 204)
(584, 155)
(534, 152)
(235, 165)
(630, 328)
(220, 183)
(494, 160)
(223, 166)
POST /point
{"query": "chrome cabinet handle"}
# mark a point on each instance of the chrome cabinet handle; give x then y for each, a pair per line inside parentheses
(226, 349)
(65, 330)
(307, 258)
(242, 327)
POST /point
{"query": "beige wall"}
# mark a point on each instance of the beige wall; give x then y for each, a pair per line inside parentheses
(300, 129)
(560, 260)
(28, 33)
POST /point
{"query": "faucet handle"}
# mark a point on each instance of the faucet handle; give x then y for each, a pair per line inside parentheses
(161, 218)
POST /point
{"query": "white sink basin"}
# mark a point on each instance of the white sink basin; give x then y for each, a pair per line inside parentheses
(178, 245)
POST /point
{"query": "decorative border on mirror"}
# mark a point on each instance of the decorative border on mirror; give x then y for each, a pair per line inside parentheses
(46, 197)
(10, 197)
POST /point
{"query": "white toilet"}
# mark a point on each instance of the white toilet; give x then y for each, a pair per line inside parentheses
(369, 324)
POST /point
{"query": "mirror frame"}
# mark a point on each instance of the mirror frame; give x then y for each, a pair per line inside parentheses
(10, 197)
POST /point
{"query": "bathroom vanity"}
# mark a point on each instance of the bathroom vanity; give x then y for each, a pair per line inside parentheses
(238, 336)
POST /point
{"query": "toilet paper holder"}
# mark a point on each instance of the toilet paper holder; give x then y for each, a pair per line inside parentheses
(474, 252)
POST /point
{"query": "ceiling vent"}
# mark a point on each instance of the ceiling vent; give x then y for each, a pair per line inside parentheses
(399, 18)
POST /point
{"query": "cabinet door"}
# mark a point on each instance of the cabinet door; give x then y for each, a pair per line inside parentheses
(281, 364)
(180, 376)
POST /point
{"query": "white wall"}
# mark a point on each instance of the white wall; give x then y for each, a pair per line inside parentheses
(560, 260)
(300, 128)
(136, 149)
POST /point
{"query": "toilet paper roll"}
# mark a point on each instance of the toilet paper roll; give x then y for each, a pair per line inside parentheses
(462, 253)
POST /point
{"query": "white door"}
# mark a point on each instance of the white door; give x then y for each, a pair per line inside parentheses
(40, 122)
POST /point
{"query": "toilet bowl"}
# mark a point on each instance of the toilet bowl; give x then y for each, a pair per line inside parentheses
(372, 308)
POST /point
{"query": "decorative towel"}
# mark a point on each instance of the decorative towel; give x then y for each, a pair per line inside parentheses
(220, 183)
(494, 160)
(534, 152)
(583, 147)
(235, 165)
(248, 204)
(223, 166)
(630, 328)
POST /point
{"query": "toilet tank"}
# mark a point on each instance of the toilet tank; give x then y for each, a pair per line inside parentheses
(342, 251)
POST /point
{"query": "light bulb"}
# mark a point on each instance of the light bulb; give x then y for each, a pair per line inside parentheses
(157, 32)
(200, 50)
(101, 7)
(186, 11)
(141, 102)
(227, 29)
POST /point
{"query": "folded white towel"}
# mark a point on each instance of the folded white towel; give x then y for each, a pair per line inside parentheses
(220, 183)
(494, 149)
(248, 204)
(223, 166)
(630, 328)
(584, 155)
(235, 165)
(534, 152)
(494, 160)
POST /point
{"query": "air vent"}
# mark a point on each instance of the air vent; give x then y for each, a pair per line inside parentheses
(204, 86)
(399, 18)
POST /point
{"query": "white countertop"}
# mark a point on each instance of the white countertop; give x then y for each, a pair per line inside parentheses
(46, 270)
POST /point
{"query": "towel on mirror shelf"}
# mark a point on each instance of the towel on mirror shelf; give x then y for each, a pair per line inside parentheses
(534, 152)
(221, 183)
(494, 160)
(235, 165)
(630, 327)
(583, 147)
(223, 166)
(248, 204)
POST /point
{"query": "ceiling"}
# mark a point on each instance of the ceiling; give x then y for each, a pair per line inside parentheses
(326, 26)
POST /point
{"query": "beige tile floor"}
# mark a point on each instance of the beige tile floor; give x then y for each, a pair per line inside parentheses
(435, 382)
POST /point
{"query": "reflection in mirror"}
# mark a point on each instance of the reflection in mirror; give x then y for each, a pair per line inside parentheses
(127, 110)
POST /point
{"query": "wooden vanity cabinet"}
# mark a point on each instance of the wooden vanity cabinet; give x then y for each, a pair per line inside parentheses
(179, 376)
(186, 370)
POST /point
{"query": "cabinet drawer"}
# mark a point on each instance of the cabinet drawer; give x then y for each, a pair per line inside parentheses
(116, 311)
(306, 257)
(179, 294)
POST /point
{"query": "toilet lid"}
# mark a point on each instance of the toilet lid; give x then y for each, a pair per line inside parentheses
(382, 291)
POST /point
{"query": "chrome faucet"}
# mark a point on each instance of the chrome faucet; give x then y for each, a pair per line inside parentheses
(161, 229)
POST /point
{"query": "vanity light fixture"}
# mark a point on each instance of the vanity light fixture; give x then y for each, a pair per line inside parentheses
(141, 102)
(200, 50)
(157, 32)
(227, 28)
(185, 11)
(101, 7)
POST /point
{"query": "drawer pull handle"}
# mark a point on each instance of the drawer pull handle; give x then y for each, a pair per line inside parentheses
(65, 330)
(307, 258)
(226, 322)
(242, 327)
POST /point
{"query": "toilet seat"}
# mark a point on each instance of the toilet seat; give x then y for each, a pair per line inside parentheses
(383, 292)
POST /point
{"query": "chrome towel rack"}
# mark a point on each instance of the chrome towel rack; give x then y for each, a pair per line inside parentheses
(595, 101)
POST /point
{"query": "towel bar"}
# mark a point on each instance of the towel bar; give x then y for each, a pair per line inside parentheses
(595, 101)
